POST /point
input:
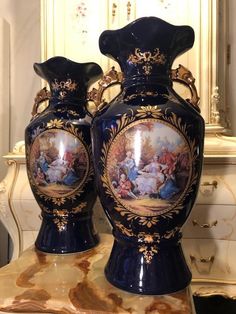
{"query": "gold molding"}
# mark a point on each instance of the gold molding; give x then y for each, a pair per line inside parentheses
(212, 280)
(16, 166)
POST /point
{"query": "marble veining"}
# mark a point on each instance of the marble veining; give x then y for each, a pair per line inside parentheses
(46, 283)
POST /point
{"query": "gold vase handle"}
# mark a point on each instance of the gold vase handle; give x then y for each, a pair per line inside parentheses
(183, 76)
(41, 97)
(110, 78)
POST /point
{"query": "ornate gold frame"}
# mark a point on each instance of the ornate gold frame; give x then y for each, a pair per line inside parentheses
(122, 123)
(70, 128)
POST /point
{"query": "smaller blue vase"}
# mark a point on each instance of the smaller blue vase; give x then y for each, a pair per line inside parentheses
(58, 157)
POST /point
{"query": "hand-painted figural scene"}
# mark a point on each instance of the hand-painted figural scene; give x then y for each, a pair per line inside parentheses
(149, 167)
(59, 163)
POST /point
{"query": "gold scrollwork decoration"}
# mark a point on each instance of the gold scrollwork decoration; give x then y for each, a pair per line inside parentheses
(147, 59)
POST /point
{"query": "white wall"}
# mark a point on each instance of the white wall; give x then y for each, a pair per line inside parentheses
(18, 82)
(24, 19)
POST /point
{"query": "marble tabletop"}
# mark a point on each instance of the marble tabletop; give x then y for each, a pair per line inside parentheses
(74, 283)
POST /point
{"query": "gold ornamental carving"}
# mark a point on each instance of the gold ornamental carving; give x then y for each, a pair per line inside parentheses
(66, 85)
(147, 59)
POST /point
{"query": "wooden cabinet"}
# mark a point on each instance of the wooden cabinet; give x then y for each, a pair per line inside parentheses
(19, 211)
(209, 234)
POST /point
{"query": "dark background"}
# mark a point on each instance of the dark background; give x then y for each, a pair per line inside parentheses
(214, 305)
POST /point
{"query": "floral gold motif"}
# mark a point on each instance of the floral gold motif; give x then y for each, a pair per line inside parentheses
(61, 223)
(148, 252)
(147, 58)
(148, 221)
(67, 85)
(56, 123)
(149, 111)
(61, 219)
(147, 239)
(63, 87)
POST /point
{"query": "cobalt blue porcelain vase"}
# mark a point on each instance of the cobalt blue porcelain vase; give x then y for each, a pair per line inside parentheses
(58, 157)
(148, 153)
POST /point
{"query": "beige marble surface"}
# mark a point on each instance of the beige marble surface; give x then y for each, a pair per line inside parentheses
(75, 283)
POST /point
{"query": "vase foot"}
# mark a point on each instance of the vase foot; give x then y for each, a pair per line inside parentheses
(76, 236)
(144, 270)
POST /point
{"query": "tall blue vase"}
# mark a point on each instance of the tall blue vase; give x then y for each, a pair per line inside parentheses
(58, 156)
(148, 153)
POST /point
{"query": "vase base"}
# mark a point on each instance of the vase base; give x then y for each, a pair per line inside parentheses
(167, 272)
(76, 237)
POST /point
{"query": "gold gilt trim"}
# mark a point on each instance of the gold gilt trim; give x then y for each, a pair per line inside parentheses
(152, 94)
(121, 124)
(61, 215)
(58, 124)
(210, 292)
(79, 208)
(63, 87)
(147, 247)
(141, 94)
(15, 165)
(41, 102)
(147, 58)
(67, 85)
(61, 223)
(148, 252)
(213, 280)
(183, 76)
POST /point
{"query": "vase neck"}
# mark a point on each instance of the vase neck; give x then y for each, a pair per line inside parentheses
(69, 104)
(142, 80)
